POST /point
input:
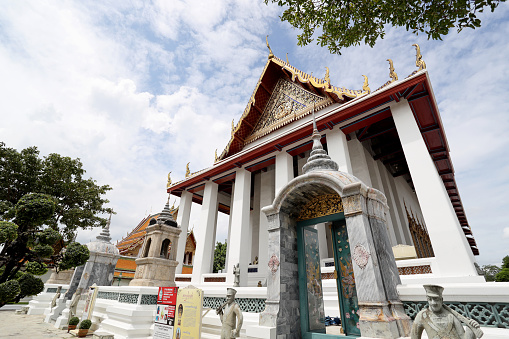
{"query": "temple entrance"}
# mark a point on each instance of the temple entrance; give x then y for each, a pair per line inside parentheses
(312, 312)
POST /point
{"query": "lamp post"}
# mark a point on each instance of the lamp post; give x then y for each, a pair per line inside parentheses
(119, 278)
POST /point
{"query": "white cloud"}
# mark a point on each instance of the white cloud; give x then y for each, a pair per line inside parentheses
(506, 232)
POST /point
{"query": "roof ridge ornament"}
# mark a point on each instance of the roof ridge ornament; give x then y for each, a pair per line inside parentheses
(168, 184)
(365, 86)
(392, 73)
(271, 55)
(188, 172)
(318, 159)
(418, 58)
(327, 77)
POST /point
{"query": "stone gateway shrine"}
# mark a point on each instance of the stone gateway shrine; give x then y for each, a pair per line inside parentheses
(341, 204)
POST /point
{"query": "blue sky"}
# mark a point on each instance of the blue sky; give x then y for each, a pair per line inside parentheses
(137, 89)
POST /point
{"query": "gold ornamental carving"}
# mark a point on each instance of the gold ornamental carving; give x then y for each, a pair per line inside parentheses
(418, 58)
(321, 206)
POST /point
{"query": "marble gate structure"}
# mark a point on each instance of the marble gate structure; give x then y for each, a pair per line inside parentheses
(376, 275)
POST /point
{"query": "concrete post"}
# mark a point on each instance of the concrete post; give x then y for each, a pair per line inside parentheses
(284, 169)
(186, 200)
(239, 235)
(452, 251)
(207, 232)
(338, 150)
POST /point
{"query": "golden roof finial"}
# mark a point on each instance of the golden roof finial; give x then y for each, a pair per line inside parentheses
(418, 58)
(233, 126)
(168, 184)
(215, 156)
(188, 172)
(287, 59)
(271, 55)
(392, 74)
(327, 78)
(365, 86)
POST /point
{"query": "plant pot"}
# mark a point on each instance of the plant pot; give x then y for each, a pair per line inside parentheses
(71, 327)
(82, 332)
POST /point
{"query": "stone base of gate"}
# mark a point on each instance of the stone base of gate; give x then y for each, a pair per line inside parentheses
(404, 321)
(376, 321)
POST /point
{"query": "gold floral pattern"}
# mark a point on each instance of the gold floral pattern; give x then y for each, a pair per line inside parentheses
(321, 206)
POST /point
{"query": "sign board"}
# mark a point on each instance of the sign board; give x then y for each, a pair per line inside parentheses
(89, 304)
(189, 310)
(165, 313)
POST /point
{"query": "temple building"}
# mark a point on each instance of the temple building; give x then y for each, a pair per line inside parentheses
(391, 139)
(130, 246)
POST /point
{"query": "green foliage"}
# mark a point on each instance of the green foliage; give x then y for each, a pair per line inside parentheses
(75, 255)
(34, 209)
(85, 324)
(490, 271)
(36, 268)
(505, 262)
(9, 290)
(503, 275)
(348, 23)
(48, 236)
(8, 231)
(74, 321)
(43, 251)
(29, 285)
(219, 256)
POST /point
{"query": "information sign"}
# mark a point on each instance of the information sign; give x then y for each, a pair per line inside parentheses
(189, 310)
(165, 313)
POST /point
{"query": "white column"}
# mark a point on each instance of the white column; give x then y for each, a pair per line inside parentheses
(184, 213)
(255, 219)
(239, 235)
(358, 160)
(229, 230)
(452, 251)
(322, 240)
(284, 169)
(337, 148)
(207, 233)
(267, 195)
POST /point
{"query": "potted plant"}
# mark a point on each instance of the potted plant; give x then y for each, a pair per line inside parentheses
(84, 326)
(73, 322)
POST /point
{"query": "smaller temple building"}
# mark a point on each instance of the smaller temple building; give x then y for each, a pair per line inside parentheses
(130, 246)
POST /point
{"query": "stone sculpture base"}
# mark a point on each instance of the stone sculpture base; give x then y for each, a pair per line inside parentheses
(154, 272)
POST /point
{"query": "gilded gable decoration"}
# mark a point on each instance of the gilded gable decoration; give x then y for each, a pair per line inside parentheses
(287, 102)
(321, 206)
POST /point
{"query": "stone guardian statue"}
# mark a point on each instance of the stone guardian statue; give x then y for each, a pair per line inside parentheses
(229, 314)
(73, 306)
(236, 274)
(55, 298)
(442, 322)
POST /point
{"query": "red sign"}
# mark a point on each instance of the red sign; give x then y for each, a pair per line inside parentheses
(167, 295)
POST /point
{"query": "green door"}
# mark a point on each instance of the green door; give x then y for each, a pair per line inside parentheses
(312, 313)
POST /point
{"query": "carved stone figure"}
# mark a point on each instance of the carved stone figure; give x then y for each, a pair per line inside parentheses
(230, 316)
(236, 273)
(440, 321)
(255, 261)
(73, 306)
(55, 298)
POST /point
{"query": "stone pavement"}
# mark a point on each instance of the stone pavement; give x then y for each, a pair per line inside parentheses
(28, 326)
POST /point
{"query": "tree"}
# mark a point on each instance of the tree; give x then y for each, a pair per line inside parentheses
(42, 203)
(219, 256)
(490, 271)
(503, 275)
(348, 23)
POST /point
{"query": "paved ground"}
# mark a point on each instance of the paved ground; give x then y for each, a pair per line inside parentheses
(28, 326)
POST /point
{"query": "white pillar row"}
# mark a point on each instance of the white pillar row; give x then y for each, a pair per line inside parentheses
(184, 213)
(284, 169)
(239, 235)
(267, 195)
(358, 160)
(206, 232)
(229, 230)
(452, 251)
(322, 240)
(337, 148)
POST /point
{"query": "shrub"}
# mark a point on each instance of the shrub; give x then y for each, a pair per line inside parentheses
(36, 268)
(9, 290)
(85, 324)
(29, 285)
(74, 321)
